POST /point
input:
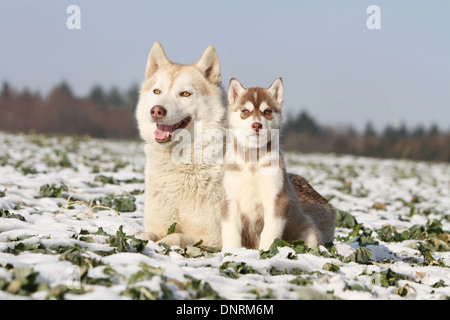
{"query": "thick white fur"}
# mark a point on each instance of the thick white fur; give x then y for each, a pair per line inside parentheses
(189, 194)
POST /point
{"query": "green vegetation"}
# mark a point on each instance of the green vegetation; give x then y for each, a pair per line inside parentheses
(77, 206)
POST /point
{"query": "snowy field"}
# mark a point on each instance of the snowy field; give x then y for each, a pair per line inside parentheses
(71, 215)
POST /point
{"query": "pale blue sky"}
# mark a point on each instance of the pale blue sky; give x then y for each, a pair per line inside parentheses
(331, 64)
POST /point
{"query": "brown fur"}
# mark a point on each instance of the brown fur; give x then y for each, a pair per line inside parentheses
(251, 230)
(256, 96)
(224, 209)
(282, 201)
(316, 206)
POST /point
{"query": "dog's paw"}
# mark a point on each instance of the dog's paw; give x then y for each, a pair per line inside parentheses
(179, 239)
(147, 236)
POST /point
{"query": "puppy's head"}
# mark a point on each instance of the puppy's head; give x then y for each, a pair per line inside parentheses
(254, 112)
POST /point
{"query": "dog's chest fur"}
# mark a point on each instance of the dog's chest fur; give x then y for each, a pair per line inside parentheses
(182, 187)
(251, 189)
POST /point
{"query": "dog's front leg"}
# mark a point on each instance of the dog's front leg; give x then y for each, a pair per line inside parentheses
(155, 223)
(231, 225)
(273, 226)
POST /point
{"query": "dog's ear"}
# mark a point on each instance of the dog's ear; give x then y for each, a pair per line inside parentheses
(209, 64)
(235, 90)
(156, 59)
(276, 90)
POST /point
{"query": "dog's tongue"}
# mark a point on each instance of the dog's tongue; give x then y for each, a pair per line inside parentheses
(162, 130)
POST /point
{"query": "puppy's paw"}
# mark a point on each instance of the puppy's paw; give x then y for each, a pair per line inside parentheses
(311, 237)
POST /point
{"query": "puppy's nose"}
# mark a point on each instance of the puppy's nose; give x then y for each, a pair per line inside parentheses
(256, 126)
(158, 112)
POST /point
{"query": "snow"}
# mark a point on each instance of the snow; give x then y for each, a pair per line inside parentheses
(411, 193)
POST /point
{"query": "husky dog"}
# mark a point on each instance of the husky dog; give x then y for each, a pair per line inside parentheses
(262, 204)
(173, 99)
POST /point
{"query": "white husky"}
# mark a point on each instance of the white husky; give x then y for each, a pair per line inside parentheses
(173, 99)
(261, 204)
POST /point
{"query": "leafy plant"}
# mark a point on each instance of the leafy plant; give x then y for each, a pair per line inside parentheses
(330, 267)
(79, 257)
(106, 180)
(124, 243)
(388, 278)
(9, 215)
(344, 219)
(362, 255)
(122, 203)
(171, 228)
(298, 246)
(28, 247)
(146, 273)
(432, 233)
(52, 191)
(233, 269)
(23, 281)
(200, 289)
(140, 293)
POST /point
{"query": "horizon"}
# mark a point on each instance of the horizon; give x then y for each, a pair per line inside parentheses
(338, 128)
(334, 67)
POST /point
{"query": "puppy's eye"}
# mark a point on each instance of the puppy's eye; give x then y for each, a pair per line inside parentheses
(245, 111)
(156, 91)
(185, 94)
(267, 112)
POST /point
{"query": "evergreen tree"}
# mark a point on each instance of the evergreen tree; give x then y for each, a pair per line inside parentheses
(369, 131)
(418, 132)
(434, 130)
(304, 123)
(98, 95)
(114, 98)
(132, 96)
(64, 88)
(6, 90)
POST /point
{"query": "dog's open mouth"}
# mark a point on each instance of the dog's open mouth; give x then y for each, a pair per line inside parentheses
(163, 132)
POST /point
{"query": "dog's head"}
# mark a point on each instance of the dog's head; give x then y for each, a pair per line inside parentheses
(254, 112)
(174, 96)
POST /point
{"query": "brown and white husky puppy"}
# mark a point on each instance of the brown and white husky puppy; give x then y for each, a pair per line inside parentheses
(262, 201)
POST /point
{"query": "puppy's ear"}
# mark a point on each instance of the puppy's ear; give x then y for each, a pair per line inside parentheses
(156, 59)
(276, 90)
(209, 64)
(235, 90)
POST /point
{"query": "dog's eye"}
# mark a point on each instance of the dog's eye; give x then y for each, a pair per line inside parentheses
(267, 112)
(245, 111)
(185, 94)
(156, 91)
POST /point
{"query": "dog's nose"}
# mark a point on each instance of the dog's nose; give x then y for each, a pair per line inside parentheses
(158, 112)
(256, 126)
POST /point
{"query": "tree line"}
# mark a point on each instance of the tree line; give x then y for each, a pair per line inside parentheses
(105, 114)
(303, 133)
(110, 114)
